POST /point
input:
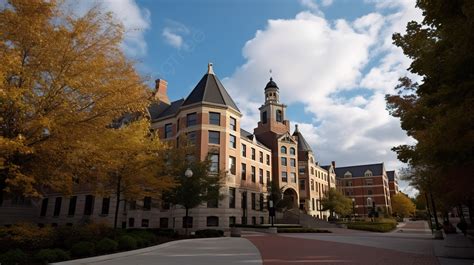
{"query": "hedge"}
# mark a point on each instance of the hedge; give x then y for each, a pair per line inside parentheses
(127, 243)
(46, 256)
(13, 257)
(106, 245)
(83, 249)
(209, 233)
(372, 227)
(302, 230)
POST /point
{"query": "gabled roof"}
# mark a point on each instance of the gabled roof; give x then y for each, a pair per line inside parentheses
(359, 170)
(302, 144)
(159, 109)
(210, 90)
(391, 175)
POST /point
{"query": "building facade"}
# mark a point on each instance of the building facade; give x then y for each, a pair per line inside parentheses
(392, 182)
(210, 120)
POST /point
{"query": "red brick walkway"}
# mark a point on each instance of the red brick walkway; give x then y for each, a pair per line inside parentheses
(280, 250)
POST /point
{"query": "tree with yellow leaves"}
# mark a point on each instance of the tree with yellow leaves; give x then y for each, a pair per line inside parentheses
(64, 79)
(402, 205)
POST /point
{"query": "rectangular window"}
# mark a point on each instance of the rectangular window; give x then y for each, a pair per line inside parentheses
(214, 137)
(284, 176)
(260, 176)
(212, 221)
(89, 205)
(264, 117)
(145, 222)
(232, 165)
(312, 170)
(369, 182)
(369, 192)
(244, 150)
(268, 177)
(214, 118)
(301, 170)
(57, 206)
(253, 174)
(231, 197)
(261, 201)
(214, 163)
(233, 141)
(302, 183)
(293, 177)
(233, 124)
(283, 161)
(168, 130)
(133, 205)
(105, 205)
(292, 162)
(313, 204)
(232, 220)
(244, 171)
(72, 206)
(261, 157)
(131, 222)
(213, 203)
(312, 184)
(191, 119)
(191, 137)
(147, 203)
(243, 202)
(262, 220)
(187, 222)
(253, 153)
(268, 159)
(254, 202)
(44, 207)
(163, 222)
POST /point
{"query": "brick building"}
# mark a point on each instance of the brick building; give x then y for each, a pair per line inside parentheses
(392, 182)
(367, 185)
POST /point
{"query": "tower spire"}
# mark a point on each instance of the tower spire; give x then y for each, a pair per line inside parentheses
(209, 68)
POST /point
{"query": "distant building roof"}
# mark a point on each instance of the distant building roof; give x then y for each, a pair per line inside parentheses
(210, 90)
(159, 109)
(391, 175)
(359, 170)
(302, 144)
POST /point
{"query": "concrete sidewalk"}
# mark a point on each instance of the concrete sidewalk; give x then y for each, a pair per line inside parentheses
(224, 250)
(454, 249)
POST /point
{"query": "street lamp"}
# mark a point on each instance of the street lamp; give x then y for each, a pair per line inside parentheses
(353, 207)
(188, 174)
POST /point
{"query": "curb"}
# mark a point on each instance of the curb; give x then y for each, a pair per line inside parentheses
(129, 253)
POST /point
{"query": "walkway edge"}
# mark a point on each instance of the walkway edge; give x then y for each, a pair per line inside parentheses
(128, 253)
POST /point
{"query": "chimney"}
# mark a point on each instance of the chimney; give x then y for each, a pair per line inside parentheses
(160, 91)
(333, 163)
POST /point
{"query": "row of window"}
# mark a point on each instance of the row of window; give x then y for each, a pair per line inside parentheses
(253, 154)
(88, 205)
(191, 120)
(284, 162)
(283, 150)
(351, 192)
(313, 186)
(252, 172)
(279, 116)
(284, 177)
(243, 202)
(367, 182)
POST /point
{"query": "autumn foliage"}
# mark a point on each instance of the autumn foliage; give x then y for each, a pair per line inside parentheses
(64, 81)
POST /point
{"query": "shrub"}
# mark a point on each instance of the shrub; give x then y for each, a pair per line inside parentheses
(68, 236)
(302, 230)
(106, 245)
(373, 227)
(26, 236)
(127, 243)
(83, 249)
(164, 232)
(209, 233)
(13, 257)
(46, 256)
(147, 237)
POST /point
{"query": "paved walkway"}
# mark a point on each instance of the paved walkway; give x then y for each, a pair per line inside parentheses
(225, 250)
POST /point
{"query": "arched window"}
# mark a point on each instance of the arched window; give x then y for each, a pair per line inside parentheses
(292, 151)
(368, 173)
(369, 201)
(283, 150)
(279, 116)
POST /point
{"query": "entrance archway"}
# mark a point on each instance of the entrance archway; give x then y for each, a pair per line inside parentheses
(291, 197)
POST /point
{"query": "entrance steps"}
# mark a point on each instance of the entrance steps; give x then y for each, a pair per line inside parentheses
(296, 216)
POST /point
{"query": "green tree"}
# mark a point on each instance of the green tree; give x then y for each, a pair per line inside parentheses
(402, 205)
(438, 111)
(194, 189)
(336, 202)
(276, 195)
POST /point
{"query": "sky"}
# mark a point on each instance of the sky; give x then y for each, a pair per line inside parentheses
(333, 61)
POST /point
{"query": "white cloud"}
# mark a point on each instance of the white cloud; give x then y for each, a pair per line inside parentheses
(136, 21)
(323, 65)
(326, 2)
(174, 33)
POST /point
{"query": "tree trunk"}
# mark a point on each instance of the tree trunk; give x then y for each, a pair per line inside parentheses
(117, 205)
(435, 214)
(428, 211)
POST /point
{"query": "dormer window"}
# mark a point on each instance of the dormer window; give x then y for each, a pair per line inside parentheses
(348, 175)
(368, 173)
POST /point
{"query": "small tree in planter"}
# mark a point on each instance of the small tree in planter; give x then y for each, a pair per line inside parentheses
(336, 202)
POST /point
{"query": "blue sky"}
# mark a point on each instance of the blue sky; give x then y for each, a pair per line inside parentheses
(333, 60)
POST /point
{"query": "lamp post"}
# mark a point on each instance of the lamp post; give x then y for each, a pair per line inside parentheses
(353, 207)
(272, 212)
(188, 174)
